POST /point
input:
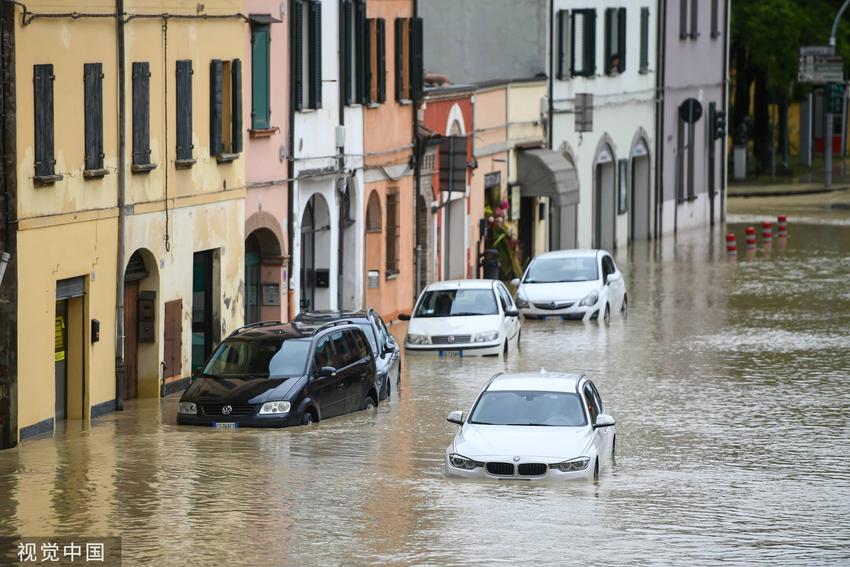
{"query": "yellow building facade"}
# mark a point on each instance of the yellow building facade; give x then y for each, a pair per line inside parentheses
(182, 177)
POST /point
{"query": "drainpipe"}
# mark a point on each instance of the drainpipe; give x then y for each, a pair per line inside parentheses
(660, 51)
(290, 167)
(551, 80)
(122, 220)
(417, 180)
(725, 149)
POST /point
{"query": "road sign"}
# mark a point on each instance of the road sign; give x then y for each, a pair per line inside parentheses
(821, 69)
(690, 111)
(817, 50)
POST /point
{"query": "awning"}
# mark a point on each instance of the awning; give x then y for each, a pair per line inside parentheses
(545, 173)
(263, 19)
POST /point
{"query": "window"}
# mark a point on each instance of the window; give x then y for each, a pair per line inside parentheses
(184, 113)
(715, 19)
(564, 44)
(141, 117)
(685, 161)
(225, 109)
(512, 407)
(505, 297)
(324, 355)
(342, 346)
(615, 41)
(583, 46)
(622, 186)
(259, 359)
(408, 59)
(373, 213)
(357, 345)
(376, 44)
(353, 23)
(644, 40)
(307, 53)
(93, 118)
(43, 99)
(590, 400)
(392, 231)
(694, 19)
(457, 303)
(260, 76)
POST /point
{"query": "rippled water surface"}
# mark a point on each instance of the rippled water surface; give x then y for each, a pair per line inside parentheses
(728, 381)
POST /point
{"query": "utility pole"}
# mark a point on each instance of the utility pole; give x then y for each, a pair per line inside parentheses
(827, 155)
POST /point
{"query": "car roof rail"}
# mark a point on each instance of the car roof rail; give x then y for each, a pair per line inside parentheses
(256, 325)
(332, 324)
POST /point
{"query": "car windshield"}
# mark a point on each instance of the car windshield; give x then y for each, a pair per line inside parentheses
(457, 303)
(369, 331)
(557, 270)
(528, 408)
(268, 358)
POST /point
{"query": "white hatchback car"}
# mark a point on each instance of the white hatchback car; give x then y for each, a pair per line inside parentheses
(572, 284)
(463, 318)
(533, 426)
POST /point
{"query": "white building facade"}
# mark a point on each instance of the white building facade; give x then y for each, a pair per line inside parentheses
(605, 49)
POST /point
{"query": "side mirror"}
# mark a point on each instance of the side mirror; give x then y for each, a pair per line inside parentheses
(404, 317)
(511, 313)
(614, 277)
(515, 282)
(325, 371)
(455, 417)
(603, 420)
(388, 349)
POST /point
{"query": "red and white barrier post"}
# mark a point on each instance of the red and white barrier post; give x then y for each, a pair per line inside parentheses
(782, 226)
(731, 244)
(767, 231)
(750, 237)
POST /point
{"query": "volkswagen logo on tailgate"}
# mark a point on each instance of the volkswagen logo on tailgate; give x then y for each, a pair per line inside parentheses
(451, 339)
(226, 410)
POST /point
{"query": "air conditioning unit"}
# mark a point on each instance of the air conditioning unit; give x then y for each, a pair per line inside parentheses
(340, 136)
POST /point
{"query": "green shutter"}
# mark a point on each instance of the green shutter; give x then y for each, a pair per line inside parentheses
(644, 40)
(381, 30)
(417, 68)
(260, 77)
(315, 55)
(361, 56)
(298, 54)
(398, 65)
(367, 62)
(621, 38)
(347, 22)
(236, 106)
(216, 102)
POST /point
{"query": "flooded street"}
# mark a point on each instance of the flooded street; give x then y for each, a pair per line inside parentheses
(728, 381)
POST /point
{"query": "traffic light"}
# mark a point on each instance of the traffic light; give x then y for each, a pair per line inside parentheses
(719, 124)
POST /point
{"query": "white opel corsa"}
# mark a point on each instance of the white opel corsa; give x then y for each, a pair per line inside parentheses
(463, 318)
(533, 426)
(572, 284)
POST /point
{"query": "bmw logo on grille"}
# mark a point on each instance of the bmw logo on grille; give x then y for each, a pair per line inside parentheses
(451, 339)
(226, 410)
(516, 459)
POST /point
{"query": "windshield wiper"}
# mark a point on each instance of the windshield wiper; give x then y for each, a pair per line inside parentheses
(469, 314)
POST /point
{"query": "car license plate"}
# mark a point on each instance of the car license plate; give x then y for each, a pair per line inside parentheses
(451, 354)
(225, 425)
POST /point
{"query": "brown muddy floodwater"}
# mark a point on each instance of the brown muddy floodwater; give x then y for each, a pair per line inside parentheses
(730, 384)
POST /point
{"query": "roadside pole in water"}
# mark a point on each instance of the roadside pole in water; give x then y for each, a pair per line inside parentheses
(827, 148)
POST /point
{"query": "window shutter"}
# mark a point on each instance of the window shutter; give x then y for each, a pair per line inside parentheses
(347, 47)
(93, 114)
(141, 113)
(216, 98)
(621, 38)
(361, 56)
(43, 87)
(644, 40)
(315, 57)
(683, 19)
(367, 62)
(298, 53)
(564, 45)
(381, 28)
(610, 15)
(260, 77)
(715, 19)
(590, 43)
(398, 54)
(417, 67)
(236, 106)
(184, 109)
(694, 19)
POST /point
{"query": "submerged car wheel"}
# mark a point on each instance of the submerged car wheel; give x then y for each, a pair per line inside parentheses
(307, 418)
(596, 470)
(369, 403)
(506, 348)
(624, 310)
(606, 318)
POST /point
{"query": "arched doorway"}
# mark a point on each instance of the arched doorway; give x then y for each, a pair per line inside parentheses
(347, 249)
(263, 262)
(374, 257)
(141, 336)
(315, 254)
(641, 196)
(604, 199)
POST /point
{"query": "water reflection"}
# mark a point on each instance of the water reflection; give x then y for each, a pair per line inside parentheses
(728, 381)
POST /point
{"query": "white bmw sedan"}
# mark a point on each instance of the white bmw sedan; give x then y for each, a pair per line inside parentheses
(463, 318)
(572, 284)
(533, 426)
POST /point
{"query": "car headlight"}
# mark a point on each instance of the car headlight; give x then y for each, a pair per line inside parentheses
(418, 339)
(275, 408)
(578, 464)
(187, 408)
(521, 300)
(485, 337)
(589, 300)
(461, 462)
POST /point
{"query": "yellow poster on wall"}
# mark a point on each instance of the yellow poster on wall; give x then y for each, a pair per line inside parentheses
(59, 340)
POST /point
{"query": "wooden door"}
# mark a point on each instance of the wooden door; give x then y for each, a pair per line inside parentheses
(173, 340)
(131, 342)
